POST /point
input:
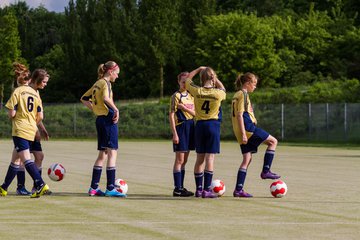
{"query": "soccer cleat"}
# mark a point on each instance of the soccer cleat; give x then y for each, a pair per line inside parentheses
(190, 193)
(114, 193)
(182, 193)
(208, 194)
(22, 191)
(3, 192)
(269, 175)
(198, 193)
(41, 191)
(242, 193)
(96, 192)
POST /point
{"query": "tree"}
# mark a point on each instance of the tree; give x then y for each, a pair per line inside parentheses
(161, 34)
(9, 50)
(238, 42)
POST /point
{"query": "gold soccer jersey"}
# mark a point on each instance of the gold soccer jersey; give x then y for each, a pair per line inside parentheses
(27, 103)
(239, 106)
(207, 101)
(185, 98)
(96, 95)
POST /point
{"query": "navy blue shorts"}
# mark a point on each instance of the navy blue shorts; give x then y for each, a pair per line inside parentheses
(258, 137)
(207, 136)
(107, 133)
(35, 146)
(21, 144)
(186, 133)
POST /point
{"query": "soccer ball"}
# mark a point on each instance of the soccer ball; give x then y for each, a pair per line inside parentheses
(218, 187)
(278, 189)
(121, 185)
(56, 172)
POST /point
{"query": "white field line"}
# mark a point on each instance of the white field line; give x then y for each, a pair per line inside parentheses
(162, 222)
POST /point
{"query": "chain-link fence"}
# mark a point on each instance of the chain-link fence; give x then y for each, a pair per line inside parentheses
(287, 122)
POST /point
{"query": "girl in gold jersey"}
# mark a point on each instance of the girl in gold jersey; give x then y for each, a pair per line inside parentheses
(181, 120)
(248, 135)
(99, 99)
(26, 111)
(208, 114)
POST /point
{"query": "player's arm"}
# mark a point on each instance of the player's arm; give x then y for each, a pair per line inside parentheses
(109, 102)
(11, 113)
(175, 138)
(39, 117)
(85, 99)
(240, 122)
(186, 109)
(219, 84)
(194, 72)
(42, 130)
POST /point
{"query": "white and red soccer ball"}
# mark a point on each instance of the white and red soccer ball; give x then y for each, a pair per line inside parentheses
(121, 185)
(218, 187)
(56, 172)
(278, 189)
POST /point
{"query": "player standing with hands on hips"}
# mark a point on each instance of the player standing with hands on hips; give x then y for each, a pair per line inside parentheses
(181, 116)
(99, 99)
(208, 117)
(248, 135)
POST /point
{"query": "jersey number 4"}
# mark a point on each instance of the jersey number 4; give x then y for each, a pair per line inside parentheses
(206, 107)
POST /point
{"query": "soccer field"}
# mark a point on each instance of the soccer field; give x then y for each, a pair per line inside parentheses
(323, 199)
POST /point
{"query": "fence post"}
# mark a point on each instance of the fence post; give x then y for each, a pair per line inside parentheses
(282, 121)
(74, 119)
(327, 121)
(345, 122)
(309, 121)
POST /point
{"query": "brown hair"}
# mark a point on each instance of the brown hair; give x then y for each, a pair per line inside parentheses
(103, 68)
(22, 73)
(181, 75)
(38, 75)
(244, 78)
(207, 74)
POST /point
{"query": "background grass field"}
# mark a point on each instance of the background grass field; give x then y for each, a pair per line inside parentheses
(323, 200)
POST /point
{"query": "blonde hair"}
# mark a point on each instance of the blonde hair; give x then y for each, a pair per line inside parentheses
(244, 78)
(207, 74)
(103, 68)
(22, 73)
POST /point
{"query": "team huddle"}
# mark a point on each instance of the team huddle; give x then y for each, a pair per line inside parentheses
(195, 117)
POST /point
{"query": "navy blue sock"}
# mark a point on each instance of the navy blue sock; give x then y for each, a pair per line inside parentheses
(199, 181)
(207, 179)
(268, 158)
(95, 179)
(40, 170)
(182, 177)
(20, 177)
(10, 175)
(241, 175)
(110, 174)
(177, 180)
(34, 173)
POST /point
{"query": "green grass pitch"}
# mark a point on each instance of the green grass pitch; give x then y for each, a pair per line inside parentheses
(323, 199)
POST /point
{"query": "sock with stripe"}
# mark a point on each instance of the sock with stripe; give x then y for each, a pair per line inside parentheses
(241, 175)
(268, 158)
(10, 175)
(96, 175)
(207, 179)
(110, 175)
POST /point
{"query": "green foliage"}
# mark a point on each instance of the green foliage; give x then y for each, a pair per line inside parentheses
(238, 42)
(9, 49)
